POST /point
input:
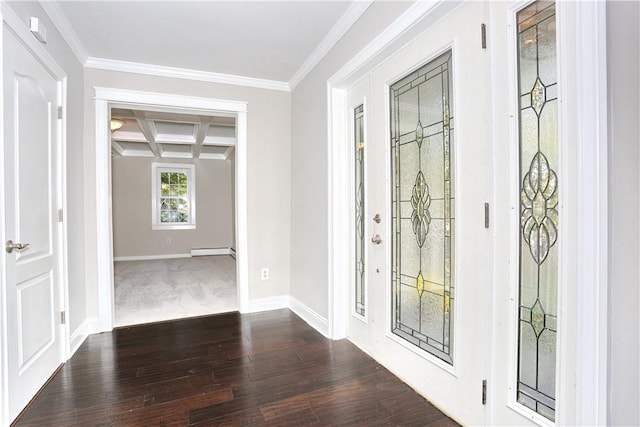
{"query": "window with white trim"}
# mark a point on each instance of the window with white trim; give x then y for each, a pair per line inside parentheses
(173, 196)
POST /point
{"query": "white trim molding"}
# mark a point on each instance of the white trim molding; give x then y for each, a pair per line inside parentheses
(316, 321)
(150, 257)
(257, 305)
(344, 24)
(21, 31)
(103, 100)
(313, 319)
(86, 328)
(157, 169)
(57, 16)
(184, 73)
(65, 29)
(588, 79)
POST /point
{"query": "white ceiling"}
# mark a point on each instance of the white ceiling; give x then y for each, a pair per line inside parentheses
(259, 39)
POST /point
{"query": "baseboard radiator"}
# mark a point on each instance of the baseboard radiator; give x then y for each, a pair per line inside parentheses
(212, 251)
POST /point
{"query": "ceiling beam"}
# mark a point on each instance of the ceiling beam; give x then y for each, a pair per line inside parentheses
(203, 128)
(145, 127)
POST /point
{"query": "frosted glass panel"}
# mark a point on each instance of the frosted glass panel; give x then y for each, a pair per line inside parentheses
(422, 205)
(358, 138)
(539, 206)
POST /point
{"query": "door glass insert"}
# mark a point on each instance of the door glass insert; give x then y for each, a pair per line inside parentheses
(358, 137)
(422, 192)
(538, 122)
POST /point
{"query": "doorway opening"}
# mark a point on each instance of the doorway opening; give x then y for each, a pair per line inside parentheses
(173, 186)
(223, 140)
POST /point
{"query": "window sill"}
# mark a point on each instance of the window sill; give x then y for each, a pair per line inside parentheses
(173, 226)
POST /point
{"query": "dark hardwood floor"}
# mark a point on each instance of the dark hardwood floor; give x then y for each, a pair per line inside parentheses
(227, 370)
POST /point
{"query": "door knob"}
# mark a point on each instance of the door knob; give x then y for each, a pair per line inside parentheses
(17, 246)
(376, 239)
(377, 218)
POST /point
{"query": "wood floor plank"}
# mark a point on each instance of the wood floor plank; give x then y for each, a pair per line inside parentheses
(262, 369)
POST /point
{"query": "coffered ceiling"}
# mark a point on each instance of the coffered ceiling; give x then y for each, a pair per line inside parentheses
(173, 136)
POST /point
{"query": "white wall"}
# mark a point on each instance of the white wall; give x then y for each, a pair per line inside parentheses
(65, 58)
(131, 201)
(268, 166)
(623, 49)
(309, 176)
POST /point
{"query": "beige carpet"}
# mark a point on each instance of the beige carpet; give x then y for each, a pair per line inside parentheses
(156, 290)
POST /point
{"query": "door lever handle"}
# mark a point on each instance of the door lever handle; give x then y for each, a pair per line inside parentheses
(10, 246)
(376, 239)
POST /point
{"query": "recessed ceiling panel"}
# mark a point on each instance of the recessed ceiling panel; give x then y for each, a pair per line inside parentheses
(132, 149)
(220, 135)
(175, 132)
(216, 152)
(177, 151)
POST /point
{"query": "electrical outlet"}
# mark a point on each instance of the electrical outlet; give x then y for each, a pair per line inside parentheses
(168, 240)
(264, 274)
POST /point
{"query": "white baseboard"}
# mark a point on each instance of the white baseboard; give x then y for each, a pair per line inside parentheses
(150, 257)
(314, 320)
(86, 328)
(269, 303)
(211, 251)
(232, 252)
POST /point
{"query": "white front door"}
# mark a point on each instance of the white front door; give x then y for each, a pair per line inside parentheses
(32, 283)
(427, 261)
(463, 306)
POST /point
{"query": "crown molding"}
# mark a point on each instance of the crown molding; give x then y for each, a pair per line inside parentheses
(346, 21)
(418, 12)
(52, 9)
(183, 73)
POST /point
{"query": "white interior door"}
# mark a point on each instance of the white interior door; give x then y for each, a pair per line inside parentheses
(31, 142)
(428, 259)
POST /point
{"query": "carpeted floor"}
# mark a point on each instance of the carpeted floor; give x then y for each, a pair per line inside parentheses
(151, 291)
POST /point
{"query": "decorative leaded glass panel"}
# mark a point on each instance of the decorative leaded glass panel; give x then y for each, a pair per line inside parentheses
(423, 208)
(537, 314)
(358, 137)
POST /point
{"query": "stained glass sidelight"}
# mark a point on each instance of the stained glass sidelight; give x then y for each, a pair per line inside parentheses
(422, 148)
(358, 137)
(538, 88)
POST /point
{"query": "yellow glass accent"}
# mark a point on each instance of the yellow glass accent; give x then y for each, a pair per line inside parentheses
(446, 303)
(420, 284)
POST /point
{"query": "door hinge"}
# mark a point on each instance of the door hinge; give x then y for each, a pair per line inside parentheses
(483, 32)
(484, 392)
(486, 215)
(59, 112)
(63, 319)
(60, 215)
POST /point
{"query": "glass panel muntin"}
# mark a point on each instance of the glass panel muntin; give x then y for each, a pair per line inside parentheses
(174, 197)
(423, 209)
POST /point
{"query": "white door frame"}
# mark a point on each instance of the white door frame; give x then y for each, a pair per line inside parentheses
(582, 37)
(17, 26)
(104, 99)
